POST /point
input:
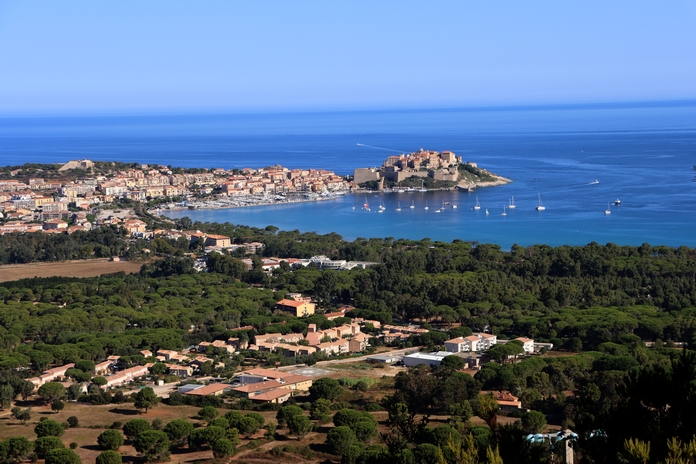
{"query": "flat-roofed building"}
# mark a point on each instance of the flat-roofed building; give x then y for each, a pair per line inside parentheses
(429, 359)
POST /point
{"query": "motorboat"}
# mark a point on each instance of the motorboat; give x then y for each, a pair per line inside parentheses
(477, 206)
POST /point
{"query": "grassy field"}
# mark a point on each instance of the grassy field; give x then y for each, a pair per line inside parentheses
(77, 268)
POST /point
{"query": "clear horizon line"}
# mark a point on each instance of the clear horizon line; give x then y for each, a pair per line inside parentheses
(608, 104)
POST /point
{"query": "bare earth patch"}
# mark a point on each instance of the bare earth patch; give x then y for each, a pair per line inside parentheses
(77, 268)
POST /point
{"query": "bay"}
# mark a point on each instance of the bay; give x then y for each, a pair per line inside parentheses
(642, 154)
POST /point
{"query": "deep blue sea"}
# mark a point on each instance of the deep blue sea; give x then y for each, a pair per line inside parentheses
(643, 155)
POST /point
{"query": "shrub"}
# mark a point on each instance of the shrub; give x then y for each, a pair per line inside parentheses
(109, 457)
(48, 428)
(62, 456)
(223, 448)
(73, 421)
(45, 444)
(208, 413)
(178, 431)
(373, 407)
(340, 438)
(110, 439)
(153, 445)
(135, 427)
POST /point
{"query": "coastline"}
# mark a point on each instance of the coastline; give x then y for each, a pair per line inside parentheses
(217, 203)
(251, 201)
(464, 185)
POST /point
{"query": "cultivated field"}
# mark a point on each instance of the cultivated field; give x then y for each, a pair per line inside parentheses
(77, 268)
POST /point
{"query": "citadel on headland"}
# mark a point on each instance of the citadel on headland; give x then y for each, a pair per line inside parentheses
(444, 167)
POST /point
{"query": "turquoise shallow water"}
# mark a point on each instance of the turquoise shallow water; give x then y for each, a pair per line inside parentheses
(641, 154)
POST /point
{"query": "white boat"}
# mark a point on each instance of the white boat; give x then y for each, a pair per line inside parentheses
(380, 211)
(504, 212)
(540, 206)
(398, 208)
(426, 204)
(512, 203)
(413, 204)
(422, 189)
(454, 206)
(366, 205)
(381, 206)
(608, 210)
(353, 205)
(486, 211)
(617, 202)
(438, 210)
(477, 206)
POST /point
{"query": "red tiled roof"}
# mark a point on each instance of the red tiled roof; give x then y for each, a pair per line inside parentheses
(209, 389)
(292, 303)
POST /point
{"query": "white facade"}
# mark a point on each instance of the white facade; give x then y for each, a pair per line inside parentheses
(486, 341)
(527, 344)
(463, 344)
(429, 359)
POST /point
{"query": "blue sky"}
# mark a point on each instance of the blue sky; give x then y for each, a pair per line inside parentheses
(174, 56)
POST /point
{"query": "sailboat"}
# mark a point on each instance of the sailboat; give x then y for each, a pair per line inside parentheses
(398, 208)
(366, 205)
(512, 203)
(353, 205)
(608, 210)
(477, 206)
(486, 211)
(422, 189)
(413, 204)
(540, 206)
(504, 212)
(426, 204)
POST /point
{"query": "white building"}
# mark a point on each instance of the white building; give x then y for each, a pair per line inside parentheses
(527, 344)
(429, 359)
(460, 344)
(486, 341)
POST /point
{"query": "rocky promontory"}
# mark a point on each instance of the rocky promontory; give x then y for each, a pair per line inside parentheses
(426, 169)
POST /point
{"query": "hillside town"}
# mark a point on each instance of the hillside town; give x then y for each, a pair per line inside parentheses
(40, 204)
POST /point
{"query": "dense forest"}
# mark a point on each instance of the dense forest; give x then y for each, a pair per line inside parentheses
(101, 242)
(597, 304)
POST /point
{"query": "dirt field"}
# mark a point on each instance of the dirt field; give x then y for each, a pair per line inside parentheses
(78, 268)
(93, 421)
